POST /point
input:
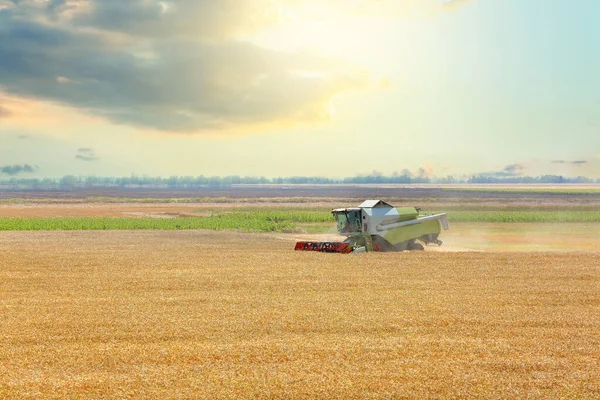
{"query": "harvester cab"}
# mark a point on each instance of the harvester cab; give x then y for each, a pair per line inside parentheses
(349, 220)
(378, 226)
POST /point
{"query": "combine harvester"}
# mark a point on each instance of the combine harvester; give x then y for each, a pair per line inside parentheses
(377, 226)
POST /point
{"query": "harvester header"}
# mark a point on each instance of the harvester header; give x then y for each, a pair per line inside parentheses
(378, 226)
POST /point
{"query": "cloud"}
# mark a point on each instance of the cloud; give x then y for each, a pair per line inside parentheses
(511, 170)
(170, 66)
(86, 154)
(44, 117)
(24, 137)
(426, 171)
(192, 18)
(184, 65)
(17, 169)
(325, 10)
(577, 163)
(4, 113)
(83, 157)
(62, 79)
(514, 169)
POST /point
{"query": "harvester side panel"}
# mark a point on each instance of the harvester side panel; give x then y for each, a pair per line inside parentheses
(402, 234)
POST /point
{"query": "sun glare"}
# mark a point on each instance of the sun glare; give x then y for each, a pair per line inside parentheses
(318, 28)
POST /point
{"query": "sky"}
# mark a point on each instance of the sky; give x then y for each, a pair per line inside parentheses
(330, 88)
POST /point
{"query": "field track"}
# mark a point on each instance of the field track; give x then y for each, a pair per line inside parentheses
(197, 314)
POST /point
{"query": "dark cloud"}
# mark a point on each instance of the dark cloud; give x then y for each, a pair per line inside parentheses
(559, 162)
(187, 73)
(579, 162)
(17, 169)
(194, 18)
(24, 137)
(55, 7)
(86, 154)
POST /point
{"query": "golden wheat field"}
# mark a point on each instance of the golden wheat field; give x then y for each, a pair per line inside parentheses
(215, 315)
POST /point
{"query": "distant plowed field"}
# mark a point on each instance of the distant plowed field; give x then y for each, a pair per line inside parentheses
(199, 314)
(291, 191)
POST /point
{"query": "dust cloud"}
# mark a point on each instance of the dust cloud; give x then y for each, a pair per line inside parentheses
(490, 237)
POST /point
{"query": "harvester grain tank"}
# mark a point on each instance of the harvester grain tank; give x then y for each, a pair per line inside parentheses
(378, 226)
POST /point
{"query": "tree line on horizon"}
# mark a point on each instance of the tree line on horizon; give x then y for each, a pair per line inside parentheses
(185, 182)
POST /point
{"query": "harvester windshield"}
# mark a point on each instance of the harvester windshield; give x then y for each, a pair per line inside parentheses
(348, 221)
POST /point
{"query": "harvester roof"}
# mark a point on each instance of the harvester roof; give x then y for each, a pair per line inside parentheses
(374, 204)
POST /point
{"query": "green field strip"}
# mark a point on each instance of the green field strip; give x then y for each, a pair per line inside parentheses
(525, 216)
(270, 221)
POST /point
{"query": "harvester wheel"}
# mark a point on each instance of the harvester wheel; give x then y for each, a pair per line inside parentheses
(417, 246)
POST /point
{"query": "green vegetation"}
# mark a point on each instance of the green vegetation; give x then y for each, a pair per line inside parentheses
(263, 221)
(548, 208)
(525, 216)
(224, 222)
(275, 221)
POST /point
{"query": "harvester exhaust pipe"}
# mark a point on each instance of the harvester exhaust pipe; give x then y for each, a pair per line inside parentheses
(441, 217)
